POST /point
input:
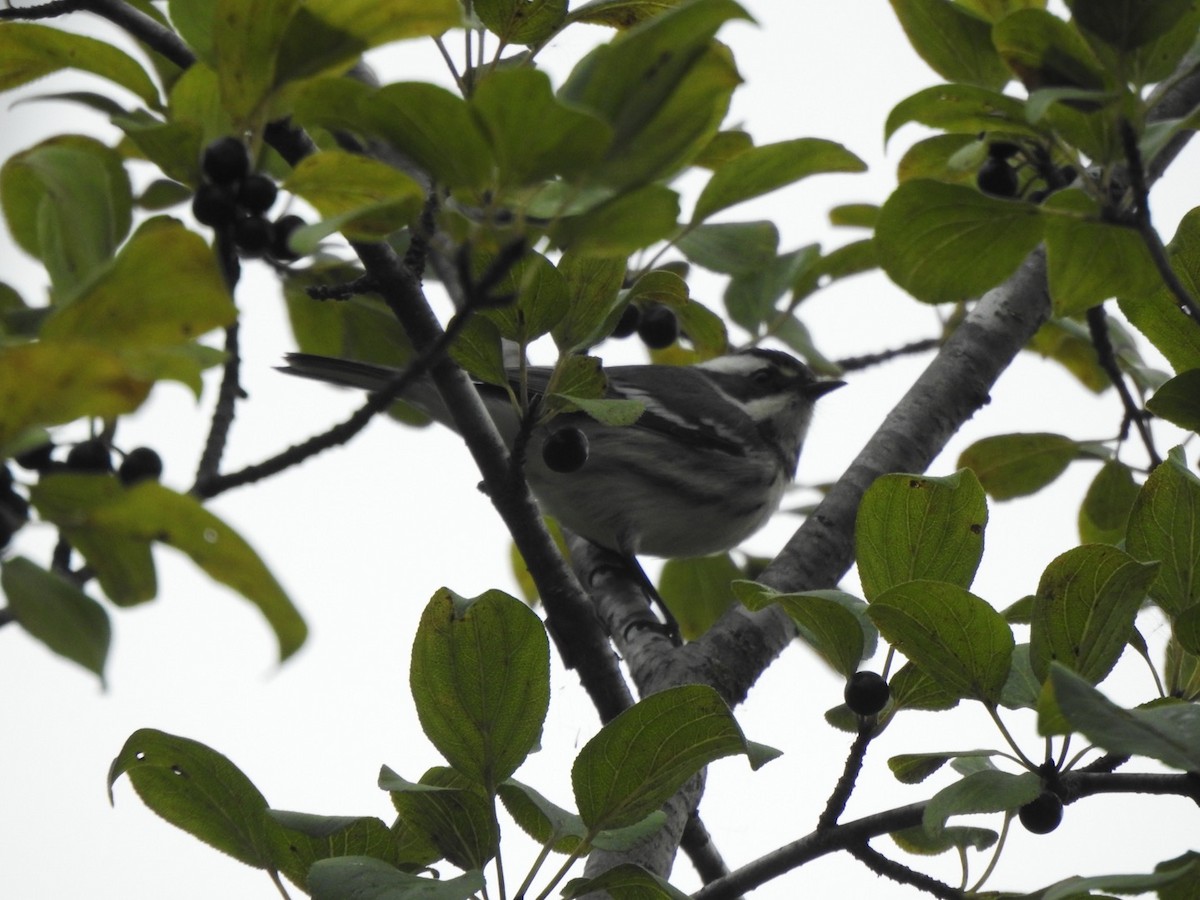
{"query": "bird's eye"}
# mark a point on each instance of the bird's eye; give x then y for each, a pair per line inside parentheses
(763, 377)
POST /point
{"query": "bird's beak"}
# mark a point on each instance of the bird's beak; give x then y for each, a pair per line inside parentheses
(820, 388)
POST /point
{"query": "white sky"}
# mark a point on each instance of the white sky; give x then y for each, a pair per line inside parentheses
(362, 536)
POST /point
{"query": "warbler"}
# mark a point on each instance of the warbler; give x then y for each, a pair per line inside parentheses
(702, 468)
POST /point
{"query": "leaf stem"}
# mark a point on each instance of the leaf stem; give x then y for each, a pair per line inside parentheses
(1021, 757)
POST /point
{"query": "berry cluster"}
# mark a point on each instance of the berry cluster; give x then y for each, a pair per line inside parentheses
(999, 175)
(93, 455)
(234, 198)
(656, 325)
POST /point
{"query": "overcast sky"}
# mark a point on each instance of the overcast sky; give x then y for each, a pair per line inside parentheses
(361, 537)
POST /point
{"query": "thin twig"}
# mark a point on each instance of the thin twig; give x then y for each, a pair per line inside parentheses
(836, 804)
(852, 363)
(45, 11)
(889, 868)
(377, 402)
(1141, 218)
(152, 33)
(1097, 321)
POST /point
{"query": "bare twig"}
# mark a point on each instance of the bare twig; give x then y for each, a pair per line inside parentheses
(853, 363)
(1145, 227)
(45, 11)
(1097, 321)
(836, 804)
(889, 868)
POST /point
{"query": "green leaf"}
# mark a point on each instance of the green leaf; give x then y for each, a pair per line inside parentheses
(29, 52)
(914, 526)
(246, 42)
(963, 109)
(751, 295)
(917, 840)
(623, 225)
(480, 679)
(75, 380)
(1084, 609)
(950, 158)
(697, 591)
(980, 792)
(1014, 465)
(197, 789)
(1046, 52)
(627, 881)
(1169, 732)
(546, 822)
(327, 36)
(1089, 260)
(644, 755)
(731, 247)
(1178, 400)
(619, 13)
(449, 810)
(1022, 688)
(1186, 629)
(57, 613)
(337, 183)
(955, 44)
(1163, 526)
(193, 19)
(365, 878)
(761, 170)
(477, 348)
(628, 79)
(98, 516)
(534, 136)
(913, 768)
(913, 688)
(950, 633)
(68, 203)
(946, 242)
(540, 292)
(435, 129)
(1069, 344)
(1104, 515)
(662, 86)
(163, 289)
(521, 21)
(854, 215)
(593, 286)
(310, 838)
(1127, 24)
(834, 623)
(1158, 316)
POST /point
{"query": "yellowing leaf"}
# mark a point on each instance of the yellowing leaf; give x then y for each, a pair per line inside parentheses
(164, 288)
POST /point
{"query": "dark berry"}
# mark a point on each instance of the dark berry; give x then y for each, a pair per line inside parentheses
(1003, 149)
(998, 178)
(1043, 815)
(628, 323)
(214, 206)
(225, 160)
(658, 327)
(252, 235)
(866, 693)
(256, 193)
(141, 464)
(281, 232)
(89, 456)
(36, 459)
(565, 450)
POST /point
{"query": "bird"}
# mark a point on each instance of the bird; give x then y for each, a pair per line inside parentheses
(703, 467)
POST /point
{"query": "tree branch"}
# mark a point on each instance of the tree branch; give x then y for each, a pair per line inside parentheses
(1097, 321)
